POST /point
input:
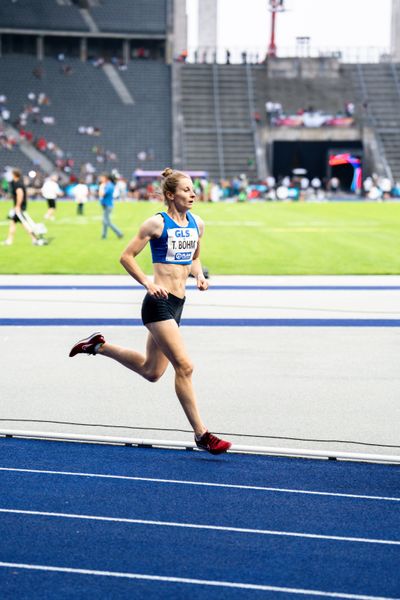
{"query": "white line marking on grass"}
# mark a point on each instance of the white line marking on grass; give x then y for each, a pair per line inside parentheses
(205, 484)
(316, 536)
(186, 580)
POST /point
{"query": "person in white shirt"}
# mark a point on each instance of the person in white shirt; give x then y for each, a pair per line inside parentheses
(50, 191)
(81, 194)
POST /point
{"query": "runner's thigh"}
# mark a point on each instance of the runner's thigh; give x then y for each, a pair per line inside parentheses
(169, 339)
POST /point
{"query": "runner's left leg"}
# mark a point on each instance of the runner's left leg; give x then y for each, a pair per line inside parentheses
(151, 367)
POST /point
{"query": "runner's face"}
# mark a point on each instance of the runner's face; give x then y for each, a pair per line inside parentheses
(184, 194)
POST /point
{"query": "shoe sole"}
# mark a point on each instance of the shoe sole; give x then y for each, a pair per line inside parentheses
(215, 453)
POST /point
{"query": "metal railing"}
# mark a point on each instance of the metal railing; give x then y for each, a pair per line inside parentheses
(257, 55)
(259, 155)
(218, 124)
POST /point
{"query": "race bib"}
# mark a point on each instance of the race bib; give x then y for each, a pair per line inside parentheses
(182, 244)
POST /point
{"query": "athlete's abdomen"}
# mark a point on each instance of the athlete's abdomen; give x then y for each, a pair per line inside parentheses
(172, 277)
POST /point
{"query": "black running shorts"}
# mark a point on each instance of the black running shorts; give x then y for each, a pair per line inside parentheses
(162, 309)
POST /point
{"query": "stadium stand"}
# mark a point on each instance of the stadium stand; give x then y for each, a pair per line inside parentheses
(86, 98)
(217, 129)
(16, 158)
(218, 110)
(322, 93)
(141, 16)
(40, 15)
(379, 91)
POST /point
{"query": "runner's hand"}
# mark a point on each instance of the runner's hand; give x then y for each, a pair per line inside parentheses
(202, 283)
(157, 291)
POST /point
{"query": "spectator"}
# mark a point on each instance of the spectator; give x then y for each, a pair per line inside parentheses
(43, 99)
(50, 191)
(349, 109)
(386, 186)
(333, 185)
(66, 70)
(80, 193)
(270, 181)
(304, 185)
(215, 193)
(367, 185)
(269, 109)
(41, 144)
(121, 188)
(38, 72)
(316, 184)
(106, 195)
(48, 120)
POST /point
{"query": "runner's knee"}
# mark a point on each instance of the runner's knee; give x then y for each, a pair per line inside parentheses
(184, 368)
(153, 375)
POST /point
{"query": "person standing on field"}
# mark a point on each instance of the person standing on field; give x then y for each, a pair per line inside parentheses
(18, 192)
(106, 195)
(81, 194)
(50, 192)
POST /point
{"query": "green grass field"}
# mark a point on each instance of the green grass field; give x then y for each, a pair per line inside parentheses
(249, 239)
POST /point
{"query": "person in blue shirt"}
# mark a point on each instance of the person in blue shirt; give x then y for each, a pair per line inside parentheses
(106, 196)
(174, 237)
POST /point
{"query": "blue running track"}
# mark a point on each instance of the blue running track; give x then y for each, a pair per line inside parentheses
(99, 521)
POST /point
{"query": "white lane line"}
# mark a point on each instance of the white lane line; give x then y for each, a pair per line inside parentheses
(316, 536)
(185, 580)
(206, 484)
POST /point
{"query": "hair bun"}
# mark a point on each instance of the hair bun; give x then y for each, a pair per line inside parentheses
(167, 172)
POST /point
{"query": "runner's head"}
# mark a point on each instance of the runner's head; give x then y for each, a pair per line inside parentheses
(177, 188)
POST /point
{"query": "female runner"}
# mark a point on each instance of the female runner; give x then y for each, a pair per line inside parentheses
(174, 238)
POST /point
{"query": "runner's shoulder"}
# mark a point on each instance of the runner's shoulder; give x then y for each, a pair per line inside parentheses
(153, 226)
(199, 222)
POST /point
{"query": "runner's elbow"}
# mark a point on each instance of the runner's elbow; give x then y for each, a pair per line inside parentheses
(124, 259)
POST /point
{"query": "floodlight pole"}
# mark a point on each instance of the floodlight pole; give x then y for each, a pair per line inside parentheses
(275, 6)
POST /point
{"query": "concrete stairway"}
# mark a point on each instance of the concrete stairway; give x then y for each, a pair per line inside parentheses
(378, 84)
(322, 93)
(217, 129)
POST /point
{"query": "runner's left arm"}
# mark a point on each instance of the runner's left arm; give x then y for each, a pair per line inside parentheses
(196, 268)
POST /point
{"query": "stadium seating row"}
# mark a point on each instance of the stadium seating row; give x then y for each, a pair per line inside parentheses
(141, 16)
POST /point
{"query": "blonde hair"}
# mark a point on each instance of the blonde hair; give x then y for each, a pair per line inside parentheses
(170, 181)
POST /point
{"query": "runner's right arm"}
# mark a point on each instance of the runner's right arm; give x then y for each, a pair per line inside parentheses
(149, 229)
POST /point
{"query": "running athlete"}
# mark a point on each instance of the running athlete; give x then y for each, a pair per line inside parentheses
(174, 238)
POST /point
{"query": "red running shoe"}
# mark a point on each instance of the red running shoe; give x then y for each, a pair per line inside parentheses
(212, 443)
(87, 345)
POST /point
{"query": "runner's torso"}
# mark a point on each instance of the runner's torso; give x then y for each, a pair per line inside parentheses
(172, 253)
